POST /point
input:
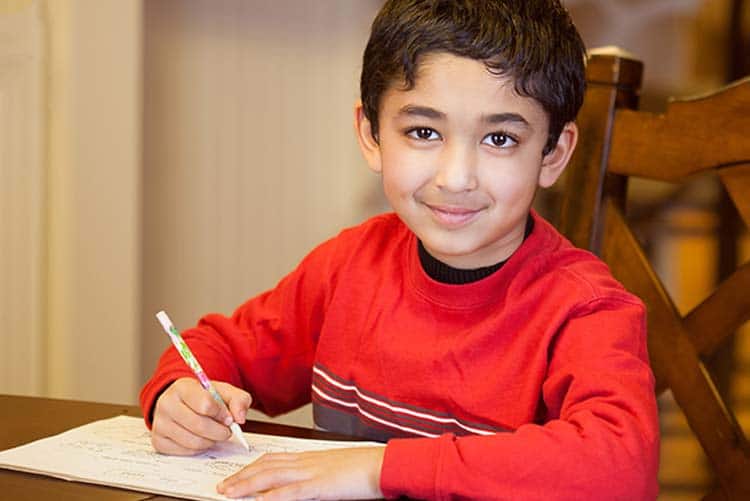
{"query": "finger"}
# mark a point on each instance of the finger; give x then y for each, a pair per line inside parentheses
(296, 490)
(178, 429)
(189, 392)
(198, 424)
(238, 400)
(266, 462)
(262, 481)
(201, 402)
(263, 463)
(181, 436)
(166, 445)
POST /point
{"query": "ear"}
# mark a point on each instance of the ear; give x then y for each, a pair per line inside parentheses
(367, 143)
(554, 162)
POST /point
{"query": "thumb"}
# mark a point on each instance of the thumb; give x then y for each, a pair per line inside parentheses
(238, 400)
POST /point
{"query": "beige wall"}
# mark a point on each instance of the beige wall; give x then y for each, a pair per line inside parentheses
(93, 198)
(69, 240)
(174, 154)
(21, 198)
(249, 153)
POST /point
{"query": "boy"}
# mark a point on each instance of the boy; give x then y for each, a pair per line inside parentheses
(496, 360)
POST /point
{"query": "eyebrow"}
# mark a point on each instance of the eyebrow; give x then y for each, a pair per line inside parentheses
(412, 110)
(501, 118)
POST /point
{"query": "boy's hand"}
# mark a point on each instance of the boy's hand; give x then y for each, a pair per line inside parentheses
(333, 474)
(187, 420)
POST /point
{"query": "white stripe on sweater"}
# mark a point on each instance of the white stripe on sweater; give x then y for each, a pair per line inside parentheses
(397, 409)
(390, 424)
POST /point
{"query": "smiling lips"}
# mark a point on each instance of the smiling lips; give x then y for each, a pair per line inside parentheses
(452, 216)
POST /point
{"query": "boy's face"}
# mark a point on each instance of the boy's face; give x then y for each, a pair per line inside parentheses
(460, 155)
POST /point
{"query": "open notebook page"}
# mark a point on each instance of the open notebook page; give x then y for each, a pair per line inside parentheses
(118, 452)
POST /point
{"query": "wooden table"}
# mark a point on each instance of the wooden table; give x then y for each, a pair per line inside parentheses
(24, 419)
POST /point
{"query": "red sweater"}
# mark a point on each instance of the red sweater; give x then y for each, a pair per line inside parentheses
(532, 383)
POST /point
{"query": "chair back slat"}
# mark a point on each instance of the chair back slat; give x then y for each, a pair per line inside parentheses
(614, 83)
(691, 136)
(721, 313)
(630, 266)
(674, 356)
(737, 183)
(709, 134)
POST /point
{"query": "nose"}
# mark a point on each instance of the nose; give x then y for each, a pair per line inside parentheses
(457, 169)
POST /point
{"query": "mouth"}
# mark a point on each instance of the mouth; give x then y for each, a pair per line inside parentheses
(451, 216)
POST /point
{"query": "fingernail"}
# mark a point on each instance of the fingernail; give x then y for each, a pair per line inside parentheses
(228, 421)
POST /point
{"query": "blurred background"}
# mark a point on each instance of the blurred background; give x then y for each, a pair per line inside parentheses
(185, 154)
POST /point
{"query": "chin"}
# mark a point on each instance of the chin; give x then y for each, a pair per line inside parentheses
(450, 253)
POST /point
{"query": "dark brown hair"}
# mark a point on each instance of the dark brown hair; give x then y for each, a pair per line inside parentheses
(534, 42)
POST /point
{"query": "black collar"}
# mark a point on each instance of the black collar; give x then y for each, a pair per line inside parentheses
(441, 272)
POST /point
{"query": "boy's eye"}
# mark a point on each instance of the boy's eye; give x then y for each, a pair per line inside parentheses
(423, 133)
(499, 140)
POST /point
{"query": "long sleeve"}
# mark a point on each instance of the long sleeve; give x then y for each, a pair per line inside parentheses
(266, 347)
(599, 439)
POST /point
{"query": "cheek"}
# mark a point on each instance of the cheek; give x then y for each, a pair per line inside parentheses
(397, 184)
(509, 185)
(403, 174)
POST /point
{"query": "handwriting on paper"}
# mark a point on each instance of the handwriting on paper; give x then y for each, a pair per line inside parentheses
(118, 452)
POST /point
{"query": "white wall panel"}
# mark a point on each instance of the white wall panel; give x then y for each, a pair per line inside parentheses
(250, 155)
(21, 199)
(94, 171)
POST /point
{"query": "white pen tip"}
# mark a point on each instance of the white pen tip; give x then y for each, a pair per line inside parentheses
(237, 432)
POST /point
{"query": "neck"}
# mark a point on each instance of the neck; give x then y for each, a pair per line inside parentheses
(441, 272)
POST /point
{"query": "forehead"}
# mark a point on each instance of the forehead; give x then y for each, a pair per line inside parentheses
(460, 85)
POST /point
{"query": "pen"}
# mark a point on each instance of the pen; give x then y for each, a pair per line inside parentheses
(192, 362)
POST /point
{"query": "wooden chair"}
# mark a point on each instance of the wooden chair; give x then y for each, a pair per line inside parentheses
(706, 134)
